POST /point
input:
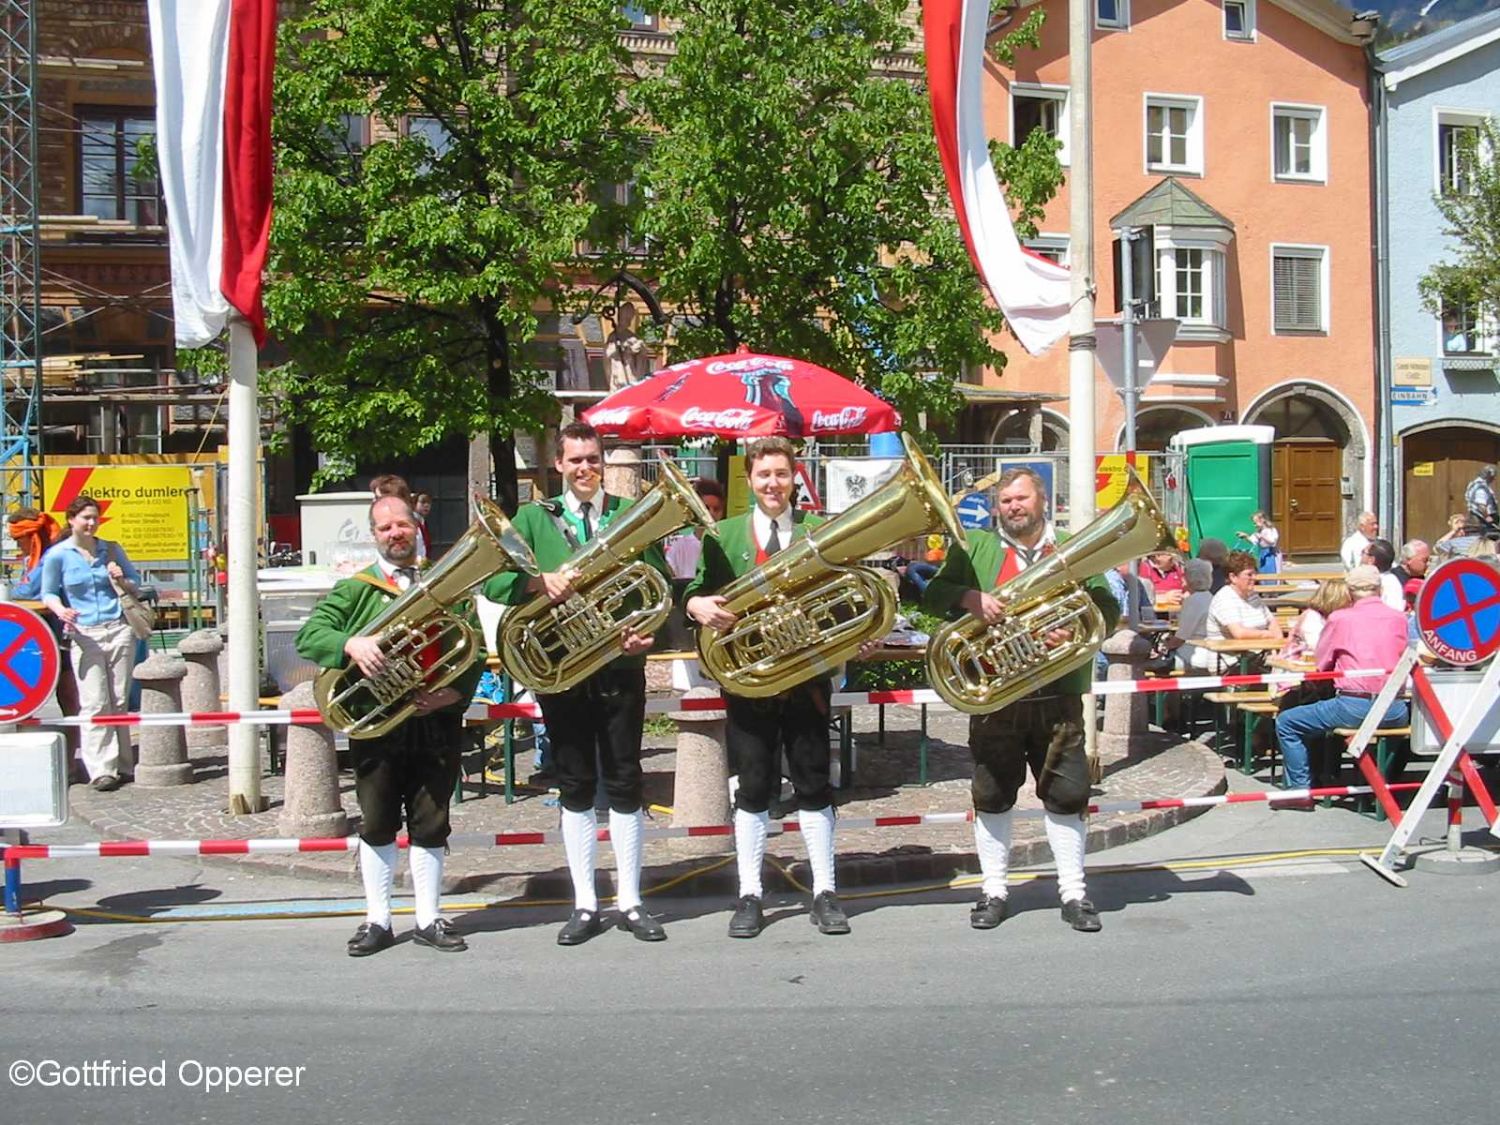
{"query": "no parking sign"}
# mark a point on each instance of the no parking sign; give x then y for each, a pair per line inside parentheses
(29, 662)
(1458, 611)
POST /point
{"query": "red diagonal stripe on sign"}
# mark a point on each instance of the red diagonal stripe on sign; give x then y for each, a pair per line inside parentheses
(15, 646)
(74, 485)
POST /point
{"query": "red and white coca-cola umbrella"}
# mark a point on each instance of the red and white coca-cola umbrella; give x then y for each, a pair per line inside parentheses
(744, 395)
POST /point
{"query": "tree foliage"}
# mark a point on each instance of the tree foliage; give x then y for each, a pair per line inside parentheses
(408, 273)
(795, 203)
(1470, 278)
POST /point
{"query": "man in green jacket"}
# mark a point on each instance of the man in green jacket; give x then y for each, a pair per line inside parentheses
(413, 767)
(600, 721)
(759, 729)
(1043, 730)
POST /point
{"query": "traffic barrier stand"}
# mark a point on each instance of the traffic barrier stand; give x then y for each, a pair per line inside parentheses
(1458, 618)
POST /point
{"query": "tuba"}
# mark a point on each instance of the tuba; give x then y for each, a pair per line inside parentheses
(805, 610)
(553, 647)
(419, 620)
(980, 668)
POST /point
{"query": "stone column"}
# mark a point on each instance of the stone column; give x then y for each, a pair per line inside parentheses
(622, 471)
(200, 687)
(311, 806)
(163, 756)
(1125, 716)
(701, 792)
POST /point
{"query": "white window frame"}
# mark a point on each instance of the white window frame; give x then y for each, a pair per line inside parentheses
(1303, 250)
(1213, 243)
(1193, 139)
(1039, 91)
(1248, 34)
(1047, 244)
(1464, 118)
(1121, 22)
(1317, 172)
(1487, 344)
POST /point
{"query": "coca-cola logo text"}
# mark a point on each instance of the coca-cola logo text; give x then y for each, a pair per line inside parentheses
(735, 418)
(849, 418)
(614, 416)
(750, 363)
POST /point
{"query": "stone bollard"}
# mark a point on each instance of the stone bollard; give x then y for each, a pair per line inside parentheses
(200, 688)
(311, 806)
(1125, 716)
(163, 758)
(701, 792)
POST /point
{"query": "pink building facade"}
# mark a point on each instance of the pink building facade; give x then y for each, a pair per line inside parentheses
(1237, 134)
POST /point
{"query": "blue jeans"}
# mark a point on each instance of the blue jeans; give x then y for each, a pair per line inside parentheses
(1295, 726)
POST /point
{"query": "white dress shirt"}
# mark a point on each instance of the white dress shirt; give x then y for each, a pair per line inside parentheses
(760, 526)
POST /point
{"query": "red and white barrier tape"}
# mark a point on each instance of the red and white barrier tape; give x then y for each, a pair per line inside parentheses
(139, 848)
(481, 711)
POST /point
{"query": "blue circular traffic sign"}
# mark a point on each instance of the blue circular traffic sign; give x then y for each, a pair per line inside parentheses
(1458, 611)
(974, 510)
(29, 662)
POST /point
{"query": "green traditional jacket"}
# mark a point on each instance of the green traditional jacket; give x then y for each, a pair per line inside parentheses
(350, 606)
(978, 568)
(536, 525)
(731, 551)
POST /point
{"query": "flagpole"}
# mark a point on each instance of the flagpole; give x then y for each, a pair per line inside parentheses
(244, 556)
(1081, 342)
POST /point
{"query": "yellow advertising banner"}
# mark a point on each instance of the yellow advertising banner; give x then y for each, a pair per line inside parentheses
(1109, 477)
(143, 507)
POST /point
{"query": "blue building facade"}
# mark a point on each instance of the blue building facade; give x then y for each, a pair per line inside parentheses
(1440, 375)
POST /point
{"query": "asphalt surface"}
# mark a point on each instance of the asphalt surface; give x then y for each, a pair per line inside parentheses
(1249, 971)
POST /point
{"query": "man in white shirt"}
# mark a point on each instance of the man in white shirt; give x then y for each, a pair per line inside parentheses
(1380, 554)
(1363, 534)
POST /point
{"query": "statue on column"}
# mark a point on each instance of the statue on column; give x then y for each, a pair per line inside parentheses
(625, 354)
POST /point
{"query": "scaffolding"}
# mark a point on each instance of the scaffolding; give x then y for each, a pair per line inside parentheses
(20, 259)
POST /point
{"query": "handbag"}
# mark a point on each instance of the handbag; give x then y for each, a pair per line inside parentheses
(138, 615)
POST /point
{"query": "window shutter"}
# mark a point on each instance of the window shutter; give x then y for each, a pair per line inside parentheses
(1299, 296)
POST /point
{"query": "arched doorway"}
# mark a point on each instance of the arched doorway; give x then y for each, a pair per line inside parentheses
(1020, 429)
(1155, 426)
(1438, 463)
(1318, 456)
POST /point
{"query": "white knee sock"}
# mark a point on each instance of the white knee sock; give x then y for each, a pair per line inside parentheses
(992, 842)
(625, 834)
(817, 834)
(1066, 835)
(579, 837)
(426, 882)
(377, 867)
(750, 848)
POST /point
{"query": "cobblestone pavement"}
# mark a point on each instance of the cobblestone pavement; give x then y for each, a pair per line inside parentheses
(887, 780)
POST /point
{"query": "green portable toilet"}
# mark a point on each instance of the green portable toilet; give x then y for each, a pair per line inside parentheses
(1228, 471)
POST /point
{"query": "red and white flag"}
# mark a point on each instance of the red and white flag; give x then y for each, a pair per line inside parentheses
(213, 61)
(1033, 293)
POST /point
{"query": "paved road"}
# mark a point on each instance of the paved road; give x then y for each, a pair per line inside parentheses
(1226, 991)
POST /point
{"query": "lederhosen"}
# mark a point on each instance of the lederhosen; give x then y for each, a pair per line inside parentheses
(1043, 730)
(596, 727)
(758, 730)
(413, 769)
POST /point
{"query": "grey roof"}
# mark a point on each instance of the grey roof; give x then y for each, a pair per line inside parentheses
(1437, 42)
(1170, 203)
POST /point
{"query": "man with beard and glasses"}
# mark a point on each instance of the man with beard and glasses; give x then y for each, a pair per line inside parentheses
(1043, 730)
(413, 768)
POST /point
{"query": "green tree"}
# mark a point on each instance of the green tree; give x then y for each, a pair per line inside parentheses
(794, 200)
(1465, 288)
(409, 273)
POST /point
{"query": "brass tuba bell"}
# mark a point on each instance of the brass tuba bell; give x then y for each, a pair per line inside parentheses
(551, 648)
(980, 668)
(806, 610)
(419, 621)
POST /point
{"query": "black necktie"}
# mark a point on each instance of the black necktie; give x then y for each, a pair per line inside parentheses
(773, 541)
(583, 514)
(407, 572)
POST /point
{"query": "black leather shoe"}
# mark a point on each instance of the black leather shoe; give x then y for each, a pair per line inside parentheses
(642, 925)
(440, 935)
(988, 912)
(370, 938)
(1081, 915)
(828, 915)
(581, 925)
(748, 917)
(105, 783)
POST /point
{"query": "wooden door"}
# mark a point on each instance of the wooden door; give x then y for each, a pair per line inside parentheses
(1437, 465)
(1305, 499)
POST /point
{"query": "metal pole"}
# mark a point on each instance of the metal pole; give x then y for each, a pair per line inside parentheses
(244, 619)
(1129, 391)
(1081, 342)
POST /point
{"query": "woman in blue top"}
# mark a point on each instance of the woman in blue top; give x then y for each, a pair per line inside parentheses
(76, 586)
